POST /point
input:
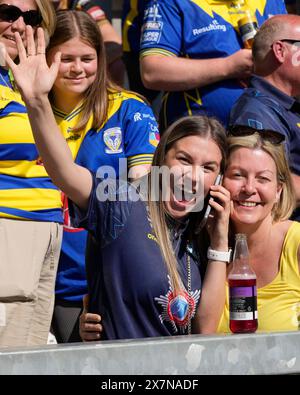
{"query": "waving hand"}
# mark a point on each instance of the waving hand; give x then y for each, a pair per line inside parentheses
(32, 74)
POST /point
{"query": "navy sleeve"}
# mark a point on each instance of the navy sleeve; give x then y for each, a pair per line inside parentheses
(108, 209)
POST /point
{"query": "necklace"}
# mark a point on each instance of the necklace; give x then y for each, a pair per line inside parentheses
(189, 290)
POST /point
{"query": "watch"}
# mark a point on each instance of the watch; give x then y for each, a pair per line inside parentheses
(223, 256)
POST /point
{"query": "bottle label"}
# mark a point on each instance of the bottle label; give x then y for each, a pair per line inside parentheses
(243, 303)
(248, 30)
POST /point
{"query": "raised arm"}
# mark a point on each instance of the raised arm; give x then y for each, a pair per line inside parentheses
(35, 79)
(212, 299)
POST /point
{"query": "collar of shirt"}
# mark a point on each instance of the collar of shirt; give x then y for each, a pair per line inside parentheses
(264, 86)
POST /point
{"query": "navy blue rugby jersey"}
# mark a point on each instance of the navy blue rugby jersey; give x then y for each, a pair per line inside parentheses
(128, 280)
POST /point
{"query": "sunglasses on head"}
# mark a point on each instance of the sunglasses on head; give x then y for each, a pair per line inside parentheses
(10, 13)
(266, 134)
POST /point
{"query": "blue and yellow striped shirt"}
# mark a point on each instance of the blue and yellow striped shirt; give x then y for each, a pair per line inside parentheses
(27, 193)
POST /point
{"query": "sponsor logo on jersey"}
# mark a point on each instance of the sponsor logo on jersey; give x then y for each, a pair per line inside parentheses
(214, 25)
(137, 117)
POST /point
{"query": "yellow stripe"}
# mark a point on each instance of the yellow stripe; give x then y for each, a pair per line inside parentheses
(164, 106)
(140, 156)
(7, 95)
(24, 168)
(156, 51)
(188, 97)
(5, 215)
(137, 164)
(22, 132)
(30, 199)
(128, 22)
(212, 6)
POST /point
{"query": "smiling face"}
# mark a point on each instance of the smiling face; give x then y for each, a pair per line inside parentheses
(197, 160)
(8, 28)
(78, 68)
(251, 179)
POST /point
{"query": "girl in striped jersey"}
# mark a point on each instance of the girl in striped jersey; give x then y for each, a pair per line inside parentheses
(30, 204)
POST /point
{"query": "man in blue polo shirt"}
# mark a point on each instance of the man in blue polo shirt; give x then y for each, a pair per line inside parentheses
(270, 101)
(193, 51)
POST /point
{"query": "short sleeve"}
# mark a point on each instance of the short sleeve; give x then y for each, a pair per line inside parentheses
(162, 28)
(95, 9)
(141, 135)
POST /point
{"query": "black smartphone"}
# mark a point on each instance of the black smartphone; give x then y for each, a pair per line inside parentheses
(218, 181)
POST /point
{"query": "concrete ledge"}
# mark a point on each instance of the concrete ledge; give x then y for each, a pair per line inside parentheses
(276, 353)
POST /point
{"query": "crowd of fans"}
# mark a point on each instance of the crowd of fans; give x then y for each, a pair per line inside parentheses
(84, 214)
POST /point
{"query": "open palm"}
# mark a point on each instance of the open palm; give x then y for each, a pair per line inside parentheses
(32, 74)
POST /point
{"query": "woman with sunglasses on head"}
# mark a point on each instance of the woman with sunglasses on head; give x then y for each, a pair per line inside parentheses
(30, 204)
(146, 276)
(259, 181)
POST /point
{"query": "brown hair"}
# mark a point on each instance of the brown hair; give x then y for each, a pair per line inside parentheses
(203, 127)
(74, 23)
(48, 15)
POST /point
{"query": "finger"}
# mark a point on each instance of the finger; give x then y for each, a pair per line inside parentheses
(85, 302)
(92, 327)
(20, 46)
(231, 207)
(8, 61)
(87, 336)
(41, 46)
(221, 197)
(220, 188)
(92, 317)
(30, 44)
(56, 63)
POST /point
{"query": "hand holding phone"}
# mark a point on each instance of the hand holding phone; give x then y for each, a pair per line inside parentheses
(218, 181)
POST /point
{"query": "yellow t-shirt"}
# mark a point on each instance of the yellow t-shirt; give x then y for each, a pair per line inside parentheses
(278, 303)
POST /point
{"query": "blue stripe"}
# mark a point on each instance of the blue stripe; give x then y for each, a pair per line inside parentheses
(18, 151)
(7, 82)
(11, 182)
(51, 215)
(13, 107)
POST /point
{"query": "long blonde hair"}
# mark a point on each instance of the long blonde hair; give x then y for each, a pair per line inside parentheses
(48, 17)
(284, 207)
(74, 23)
(201, 126)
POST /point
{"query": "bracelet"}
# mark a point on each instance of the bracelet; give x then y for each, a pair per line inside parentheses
(223, 256)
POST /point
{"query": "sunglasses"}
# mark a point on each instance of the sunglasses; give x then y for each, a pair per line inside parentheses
(266, 134)
(10, 13)
(289, 41)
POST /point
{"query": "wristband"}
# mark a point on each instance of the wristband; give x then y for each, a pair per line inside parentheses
(223, 256)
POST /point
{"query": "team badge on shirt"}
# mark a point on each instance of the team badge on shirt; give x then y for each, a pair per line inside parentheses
(178, 309)
(113, 139)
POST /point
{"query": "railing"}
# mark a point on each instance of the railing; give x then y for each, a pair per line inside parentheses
(265, 353)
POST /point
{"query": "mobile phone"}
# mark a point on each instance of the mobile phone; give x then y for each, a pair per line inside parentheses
(218, 181)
